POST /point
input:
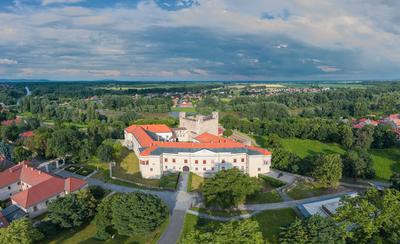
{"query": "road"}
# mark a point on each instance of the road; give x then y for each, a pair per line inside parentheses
(176, 221)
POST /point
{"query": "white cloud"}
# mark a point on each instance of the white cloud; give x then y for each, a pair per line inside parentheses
(48, 2)
(8, 61)
(327, 68)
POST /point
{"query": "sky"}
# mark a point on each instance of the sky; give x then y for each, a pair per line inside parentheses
(199, 39)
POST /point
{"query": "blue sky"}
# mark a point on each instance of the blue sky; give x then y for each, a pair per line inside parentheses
(199, 39)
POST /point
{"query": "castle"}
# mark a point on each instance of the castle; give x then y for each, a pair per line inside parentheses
(195, 146)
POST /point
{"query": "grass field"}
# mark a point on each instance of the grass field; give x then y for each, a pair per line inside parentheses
(264, 197)
(305, 190)
(270, 221)
(195, 182)
(223, 213)
(386, 161)
(187, 110)
(304, 148)
(86, 234)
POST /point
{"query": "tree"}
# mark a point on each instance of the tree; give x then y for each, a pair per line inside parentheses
(72, 210)
(395, 180)
(105, 152)
(5, 150)
(229, 188)
(130, 214)
(20, 231)
(235, 232)
(285, 160)
(373, 215)
(383, 137)
(346, 135)
(228, 132)
(20, 154)
(63, 142)
(328, 170)
(358, 164)
(364, 137)
(9, 133)
(314, 229)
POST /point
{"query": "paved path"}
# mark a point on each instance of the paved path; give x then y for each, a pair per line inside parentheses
(176, 221)
(257, 208)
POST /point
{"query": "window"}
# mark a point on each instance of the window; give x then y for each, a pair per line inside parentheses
(165, 159)
(223, 161)
(204, 169)
(234, 160)
(242, 160)
(196, 161)
(35, 208)
(212, 168)
(19, 183)
(197, 169)
(186, 161)
(173, 160)
(204, 161)
(151, 169)
(9, 187)
(265, 162)
(166, 167)
(259, 169)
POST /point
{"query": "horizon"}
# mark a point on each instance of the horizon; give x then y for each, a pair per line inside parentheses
(199, 40)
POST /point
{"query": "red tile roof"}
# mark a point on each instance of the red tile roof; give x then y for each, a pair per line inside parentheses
(139, 133)
(159, 128)
(27, 134)
(11, 122)
(42, 185)
(207, 137)
(206, 140)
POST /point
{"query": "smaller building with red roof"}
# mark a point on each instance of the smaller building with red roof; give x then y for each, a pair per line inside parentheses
(31, 189)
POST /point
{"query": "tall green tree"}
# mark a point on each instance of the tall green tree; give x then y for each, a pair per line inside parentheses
(346, 135)
(371, 216)
(395, 180)
(314, 229)
(358, 164)
(229, 188)
(20, 231)
(364, 137)
(383, 137)
(72, 210)
(235, 232)
(328, 170)
(20, 154)
(130, 214)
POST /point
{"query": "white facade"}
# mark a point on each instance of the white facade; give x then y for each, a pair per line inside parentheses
(204, 163)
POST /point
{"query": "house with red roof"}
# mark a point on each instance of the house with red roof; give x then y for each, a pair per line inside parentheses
(205, 154)
(31, 189)
(26, 134)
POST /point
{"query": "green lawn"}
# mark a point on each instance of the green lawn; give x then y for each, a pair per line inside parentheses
(305, 147)
(386, 161)
(193, 222)
(222, 213)
(271, 222)
(195, 182)
(264, 197)
(85, 235)
(187, 110)
(305, 190)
